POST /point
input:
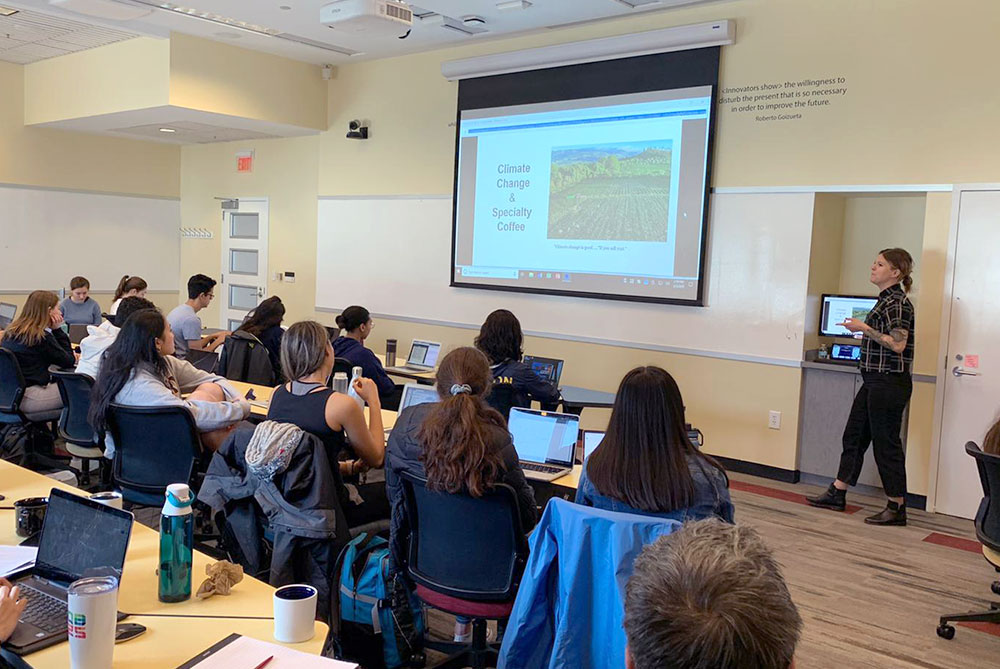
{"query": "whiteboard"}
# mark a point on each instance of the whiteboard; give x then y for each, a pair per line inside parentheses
(392, 255)
(49, 236)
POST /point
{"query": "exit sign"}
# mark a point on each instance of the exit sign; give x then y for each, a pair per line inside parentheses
(244, 161)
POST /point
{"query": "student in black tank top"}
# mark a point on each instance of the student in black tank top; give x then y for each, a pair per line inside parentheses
(306, 401)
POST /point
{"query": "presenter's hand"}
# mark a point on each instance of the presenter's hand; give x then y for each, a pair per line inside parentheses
(854, 325)
(11, 608)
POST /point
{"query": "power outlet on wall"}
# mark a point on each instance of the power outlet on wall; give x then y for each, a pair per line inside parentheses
(774, 420)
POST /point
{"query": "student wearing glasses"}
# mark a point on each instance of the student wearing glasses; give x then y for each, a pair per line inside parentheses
(185, 322)
(357, 325)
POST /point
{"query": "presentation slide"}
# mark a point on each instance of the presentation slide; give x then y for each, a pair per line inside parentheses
(838, 307)
(601, 196)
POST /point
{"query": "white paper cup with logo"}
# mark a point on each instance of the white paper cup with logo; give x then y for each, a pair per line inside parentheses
(110, 498)
(294, 613)
(92, 613)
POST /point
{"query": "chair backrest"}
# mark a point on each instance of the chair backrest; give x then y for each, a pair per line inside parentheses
(244, 358)
(73, 424)
(342, 365)
(154, 447)
(988, 516)
(501, 398)
(12, 383)
(467, 547)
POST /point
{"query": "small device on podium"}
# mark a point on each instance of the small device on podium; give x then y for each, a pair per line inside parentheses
(845, 352)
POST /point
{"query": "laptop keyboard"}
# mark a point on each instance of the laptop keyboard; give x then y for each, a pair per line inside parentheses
(545, 469)
(44, 611)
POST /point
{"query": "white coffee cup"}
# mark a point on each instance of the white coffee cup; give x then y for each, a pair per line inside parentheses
(294, 613)
(92, 608)
(110, 498)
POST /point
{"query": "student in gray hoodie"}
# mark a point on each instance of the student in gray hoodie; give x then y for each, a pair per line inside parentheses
(138, 369)
(79, 308)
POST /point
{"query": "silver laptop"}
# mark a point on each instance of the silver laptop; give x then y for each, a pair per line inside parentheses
(545, 442)
(591, 440)
(417, 393)
(423, 356)
(7, 313)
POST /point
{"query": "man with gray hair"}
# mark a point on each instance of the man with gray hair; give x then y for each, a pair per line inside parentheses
(709, 595)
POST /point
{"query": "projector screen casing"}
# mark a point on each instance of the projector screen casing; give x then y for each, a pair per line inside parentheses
(657, 72)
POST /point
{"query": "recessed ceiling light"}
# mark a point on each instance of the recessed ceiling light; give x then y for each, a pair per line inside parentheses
(8, 11)
(209, 16)
(513, 4)
(167, 130)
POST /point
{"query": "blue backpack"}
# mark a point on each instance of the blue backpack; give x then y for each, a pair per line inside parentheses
(381, 623)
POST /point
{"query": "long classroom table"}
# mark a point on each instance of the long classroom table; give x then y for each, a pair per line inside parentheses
(168, 641)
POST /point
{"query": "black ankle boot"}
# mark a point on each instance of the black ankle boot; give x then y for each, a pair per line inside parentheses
(892, 514)
(833, 498)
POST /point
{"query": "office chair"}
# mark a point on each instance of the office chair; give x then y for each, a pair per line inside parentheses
(40, 435)
(462, 567)
(81, 439)
(988, 532)
(244, 358)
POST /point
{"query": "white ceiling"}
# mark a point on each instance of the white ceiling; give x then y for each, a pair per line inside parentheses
(299, 21)
(28, 36)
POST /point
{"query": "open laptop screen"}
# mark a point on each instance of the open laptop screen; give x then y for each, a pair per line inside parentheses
(415, 393)
(547, 368)
(79, 534)
(7, 313)
(591, 439)
(544, 436)
(424, 353)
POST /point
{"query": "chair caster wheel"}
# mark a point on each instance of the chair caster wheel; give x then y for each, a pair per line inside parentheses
(946, 632)
(418, 660)
(995, 587)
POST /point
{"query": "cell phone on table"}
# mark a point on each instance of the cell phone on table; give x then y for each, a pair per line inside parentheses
(250, 394)
(127, 631)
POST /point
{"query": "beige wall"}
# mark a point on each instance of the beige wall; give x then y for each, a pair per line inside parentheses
(872, 223)
(134, 74)
(824, 260)
(285, 172)
(225, 79)
(60, 159)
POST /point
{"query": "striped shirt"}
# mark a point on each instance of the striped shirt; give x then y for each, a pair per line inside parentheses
(892, 311)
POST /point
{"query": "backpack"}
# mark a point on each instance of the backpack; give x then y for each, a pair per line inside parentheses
(14, 443)
(377, 621)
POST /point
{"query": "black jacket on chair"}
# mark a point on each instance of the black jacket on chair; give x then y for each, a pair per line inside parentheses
(300, 505)
(403, 454)
(245, 358)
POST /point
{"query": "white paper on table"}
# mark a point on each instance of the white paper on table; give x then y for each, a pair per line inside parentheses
(16, 558)
(249, 652)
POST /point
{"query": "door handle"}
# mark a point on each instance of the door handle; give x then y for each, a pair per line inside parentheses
(958, 371)
(260, 291)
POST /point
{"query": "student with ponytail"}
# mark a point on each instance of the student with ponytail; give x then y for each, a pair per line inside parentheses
(129, 286)
(459, 444)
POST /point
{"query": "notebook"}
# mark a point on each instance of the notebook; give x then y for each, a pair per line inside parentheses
(244, 652)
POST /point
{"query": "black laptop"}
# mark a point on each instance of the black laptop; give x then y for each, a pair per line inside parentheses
(547, 368)
(77, 333)
(80, 537)
(206, 361)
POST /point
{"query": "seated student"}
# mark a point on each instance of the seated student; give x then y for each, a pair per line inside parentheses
(709, 595)
(37, 340)
(79, 308)
(991, 443)
(645, 464)
(501, 340)
(264, 323)
(458, 444)
(185, 322)
(357, 323)
(100, 337)
(139, 370)
(129, 286)
(307, 402)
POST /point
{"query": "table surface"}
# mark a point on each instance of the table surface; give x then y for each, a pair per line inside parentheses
(425, 377)
(171, 641)
(586, 397)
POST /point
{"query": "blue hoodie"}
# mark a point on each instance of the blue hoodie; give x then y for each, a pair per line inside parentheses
(355, 352)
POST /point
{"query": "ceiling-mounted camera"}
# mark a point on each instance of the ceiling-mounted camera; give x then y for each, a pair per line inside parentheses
(357, 129)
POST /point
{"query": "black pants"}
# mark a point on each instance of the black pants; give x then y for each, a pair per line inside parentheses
(876, 418)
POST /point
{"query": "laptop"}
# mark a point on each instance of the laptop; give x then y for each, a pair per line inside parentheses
(547, 368)
(417, 393)
(77, 332)
(591, 439)
(206, 361)
(545, 442)
(7, 313)
(80, 537)
(423, 357)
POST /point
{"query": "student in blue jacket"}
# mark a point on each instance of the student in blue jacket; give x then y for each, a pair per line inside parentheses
(500, 338)
(646, 464)
(357, 325)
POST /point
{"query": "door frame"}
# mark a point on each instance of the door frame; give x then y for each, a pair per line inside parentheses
(945, 335)
(224, 260)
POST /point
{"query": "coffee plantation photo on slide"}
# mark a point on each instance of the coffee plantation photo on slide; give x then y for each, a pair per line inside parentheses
(617, 191)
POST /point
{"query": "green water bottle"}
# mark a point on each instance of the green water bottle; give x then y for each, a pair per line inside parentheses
(176, 544)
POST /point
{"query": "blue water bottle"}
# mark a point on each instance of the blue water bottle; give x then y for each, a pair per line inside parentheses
(176, 544)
